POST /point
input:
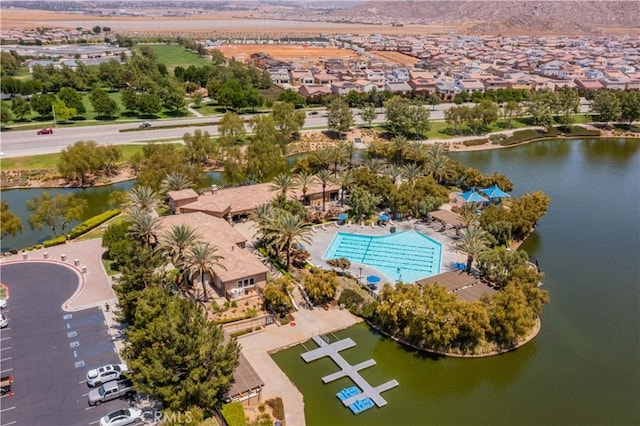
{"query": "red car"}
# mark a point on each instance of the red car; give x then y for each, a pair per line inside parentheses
(45, 131)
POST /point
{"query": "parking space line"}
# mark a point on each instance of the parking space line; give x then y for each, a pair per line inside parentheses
(5, 338)
(6, 349)
(81, 382)
(10, 423)
(88, 408)
(7, 370)
(94, 422)
(85, 394)
(6, 359)
(7, 409)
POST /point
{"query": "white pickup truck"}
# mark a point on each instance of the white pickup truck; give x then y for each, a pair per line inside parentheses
(111, 390)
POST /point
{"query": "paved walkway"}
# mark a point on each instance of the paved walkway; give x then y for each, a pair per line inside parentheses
(256, 348)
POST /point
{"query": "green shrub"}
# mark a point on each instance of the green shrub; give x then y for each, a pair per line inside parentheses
(526, 135)
(277, 406)
(233, 414)
(474, 142)
(91, 223)
(54, 241)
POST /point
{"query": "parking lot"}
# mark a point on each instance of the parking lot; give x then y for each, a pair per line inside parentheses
(48, 351)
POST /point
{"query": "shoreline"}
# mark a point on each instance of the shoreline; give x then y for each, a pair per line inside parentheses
(454, 145)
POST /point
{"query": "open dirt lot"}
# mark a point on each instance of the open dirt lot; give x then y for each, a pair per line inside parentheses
(397, 57)
(286, 52)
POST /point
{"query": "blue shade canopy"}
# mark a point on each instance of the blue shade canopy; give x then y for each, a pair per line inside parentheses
(494, 192)
(383, 217)
(373, 279)
(472, 197)
(342, 216)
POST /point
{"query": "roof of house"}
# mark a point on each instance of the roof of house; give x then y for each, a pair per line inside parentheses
(238, 263)
(238, 200)
(183, 194)
(467, 287)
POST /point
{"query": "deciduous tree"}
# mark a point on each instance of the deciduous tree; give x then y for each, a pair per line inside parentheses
(54, 212)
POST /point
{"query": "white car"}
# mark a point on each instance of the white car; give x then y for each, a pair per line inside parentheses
(121, 417)
(106, 373)
(4, 321)
(3, 303)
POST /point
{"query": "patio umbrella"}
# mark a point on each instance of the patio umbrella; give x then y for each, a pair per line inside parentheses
(494, 192)
(472, 197)
(373, 279)
(342, 216)
(383, 217)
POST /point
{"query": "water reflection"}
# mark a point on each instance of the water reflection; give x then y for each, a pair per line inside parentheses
(620, 150)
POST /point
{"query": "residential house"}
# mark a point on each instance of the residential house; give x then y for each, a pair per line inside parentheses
(325, 78)
(588, 84)
(314, 90)
(447, 89)
(614, 83)
(374, 75)
(365, 86)
(495, 83)
(398, 87)
(343, 87)
(239, 270)
(177, 199)
(423, 85)
(470, 85)
(279, 75)
(298, 77)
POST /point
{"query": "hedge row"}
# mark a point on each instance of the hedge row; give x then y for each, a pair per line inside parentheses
(83, 228)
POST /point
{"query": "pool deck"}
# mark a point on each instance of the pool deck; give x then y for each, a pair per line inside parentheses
(352, 371)
(324, 234)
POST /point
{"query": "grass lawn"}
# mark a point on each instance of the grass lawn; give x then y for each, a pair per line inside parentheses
(50, 161)
(173, 55)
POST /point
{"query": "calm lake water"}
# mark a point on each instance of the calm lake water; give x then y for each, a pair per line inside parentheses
(583, 368)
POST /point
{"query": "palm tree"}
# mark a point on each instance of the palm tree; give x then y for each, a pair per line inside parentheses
(287, 230)
(143, 197)
(201, 258)
(320, 159)
(324, 176)
(469, 215)
(440, 168)
(303, 181)
(338, 156)
(283, 183)
(474, 241)
(346, 181)
(411, 171)
(394, 172)
(349, 148)
(175, 242)
(374, 165)
(175, 182)
(143, 225)
(400, 146)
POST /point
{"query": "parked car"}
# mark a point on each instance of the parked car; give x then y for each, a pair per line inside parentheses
(121, 417)
(105, 374)
(3, 303)
(5, 385)
(111, 390)
(4, 321)
(45, 131)
(144, 125)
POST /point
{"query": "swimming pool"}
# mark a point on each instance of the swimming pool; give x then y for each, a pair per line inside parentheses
(406, 256)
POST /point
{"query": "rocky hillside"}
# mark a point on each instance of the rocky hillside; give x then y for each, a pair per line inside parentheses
(526, 17)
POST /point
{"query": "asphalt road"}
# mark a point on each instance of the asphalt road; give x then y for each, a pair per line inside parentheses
(48, 351)
(18, 143)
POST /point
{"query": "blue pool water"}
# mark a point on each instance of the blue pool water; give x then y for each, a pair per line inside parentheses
(406, 256)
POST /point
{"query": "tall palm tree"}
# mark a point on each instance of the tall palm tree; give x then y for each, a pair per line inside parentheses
(473, 242)
(174, 243)
(338, 156)
(143, 225)
(287, 230)
(349, 148)
(320, 159)
(346, 181)
(303, 181)
(400, 147)
(283, 183)
(324, 176)
(394, 172)
(411, 171)
(176, 181)
(200, 259)
(440, 168)
(374, 165)
(143, 197)
(469, 215)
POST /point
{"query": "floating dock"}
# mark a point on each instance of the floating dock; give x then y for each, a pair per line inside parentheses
(356, 402)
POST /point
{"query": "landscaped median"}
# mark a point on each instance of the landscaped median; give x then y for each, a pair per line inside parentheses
(83, 228)
(527, 135)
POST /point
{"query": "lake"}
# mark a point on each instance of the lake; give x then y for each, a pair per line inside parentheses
(582, 369)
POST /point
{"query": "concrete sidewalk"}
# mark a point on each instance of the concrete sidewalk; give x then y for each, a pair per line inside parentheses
(256, 348)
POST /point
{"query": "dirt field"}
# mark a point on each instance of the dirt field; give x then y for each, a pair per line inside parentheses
(287, 52)
(397, 57)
